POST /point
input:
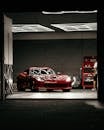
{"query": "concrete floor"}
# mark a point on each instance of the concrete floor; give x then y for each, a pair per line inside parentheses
(73, 94)
(51, 114)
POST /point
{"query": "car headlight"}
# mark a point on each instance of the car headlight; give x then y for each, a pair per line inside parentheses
(68, 79)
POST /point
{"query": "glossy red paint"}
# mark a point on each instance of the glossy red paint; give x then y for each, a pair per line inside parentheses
(35, 78)
(87, 71)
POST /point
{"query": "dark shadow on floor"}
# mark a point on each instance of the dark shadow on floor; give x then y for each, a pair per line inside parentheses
(70, 114)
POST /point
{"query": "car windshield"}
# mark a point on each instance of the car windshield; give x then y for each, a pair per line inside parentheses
(50, 71)
(41, 71)
(34, 72)
(47, 71)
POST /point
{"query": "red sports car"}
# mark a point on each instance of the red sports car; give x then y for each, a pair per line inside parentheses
(35, 78)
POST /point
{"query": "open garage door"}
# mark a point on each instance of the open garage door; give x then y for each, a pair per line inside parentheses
(52, 49)
(6, 57)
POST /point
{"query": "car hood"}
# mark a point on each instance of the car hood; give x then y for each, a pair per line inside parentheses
(53, 77)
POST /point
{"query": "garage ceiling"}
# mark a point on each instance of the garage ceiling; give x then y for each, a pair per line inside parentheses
(67, 27)
(60, 21)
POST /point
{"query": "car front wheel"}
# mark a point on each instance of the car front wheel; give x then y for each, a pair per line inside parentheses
(66, 90)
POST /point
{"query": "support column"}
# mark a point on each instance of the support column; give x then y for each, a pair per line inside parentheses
(100, 46)
(2, 82)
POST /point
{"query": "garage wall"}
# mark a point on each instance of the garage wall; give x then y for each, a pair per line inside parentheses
(64, 55)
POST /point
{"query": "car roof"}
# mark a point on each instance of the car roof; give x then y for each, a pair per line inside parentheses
(35, 67)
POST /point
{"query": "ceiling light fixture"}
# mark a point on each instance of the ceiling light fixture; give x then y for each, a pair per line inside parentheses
(65, 12)
(30, 28)
(67, 27)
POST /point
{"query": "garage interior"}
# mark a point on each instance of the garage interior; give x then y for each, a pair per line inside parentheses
(63, 50)
(69, 114)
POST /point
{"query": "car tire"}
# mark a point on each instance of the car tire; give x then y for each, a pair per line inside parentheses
(49, 90)
(36, 90)
(66, 90)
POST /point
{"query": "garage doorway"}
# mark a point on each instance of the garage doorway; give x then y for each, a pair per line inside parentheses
(76, 93)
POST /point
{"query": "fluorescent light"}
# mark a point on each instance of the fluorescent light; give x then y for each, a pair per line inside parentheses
(45, 12)
(94, 11)
(76, 26)
(66, 27)
(30, 28)
(65, 12)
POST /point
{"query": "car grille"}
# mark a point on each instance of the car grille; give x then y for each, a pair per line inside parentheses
(55, 85)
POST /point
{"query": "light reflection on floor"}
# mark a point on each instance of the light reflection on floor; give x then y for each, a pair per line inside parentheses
(95, 104)
(73, 94)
